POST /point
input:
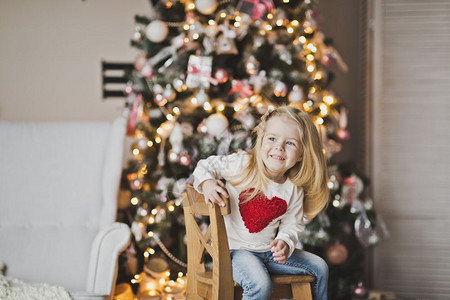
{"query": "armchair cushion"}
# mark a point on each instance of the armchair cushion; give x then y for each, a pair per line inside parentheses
(58, 191)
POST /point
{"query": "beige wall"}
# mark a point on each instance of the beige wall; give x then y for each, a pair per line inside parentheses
(51, 52)
(340, 21)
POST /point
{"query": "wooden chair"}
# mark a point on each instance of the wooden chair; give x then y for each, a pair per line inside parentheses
(217, 283)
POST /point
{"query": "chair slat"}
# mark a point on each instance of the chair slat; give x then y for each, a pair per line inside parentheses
(198, 205)
(288, 279)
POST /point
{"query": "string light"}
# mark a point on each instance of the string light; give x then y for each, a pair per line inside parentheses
(323, 109)
(134, 201)
(328, 99)
(207, 106)
(312, 48)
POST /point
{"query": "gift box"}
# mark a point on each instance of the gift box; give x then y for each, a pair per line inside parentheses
(199, 71)
(257, 9)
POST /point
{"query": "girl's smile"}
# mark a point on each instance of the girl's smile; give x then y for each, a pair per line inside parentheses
(281, 147)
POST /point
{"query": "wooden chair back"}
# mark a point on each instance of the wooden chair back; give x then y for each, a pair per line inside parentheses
(214, 279)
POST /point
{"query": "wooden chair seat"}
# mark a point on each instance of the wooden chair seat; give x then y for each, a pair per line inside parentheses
(218, 284)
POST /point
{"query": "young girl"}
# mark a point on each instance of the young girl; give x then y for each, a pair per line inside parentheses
(272, 190)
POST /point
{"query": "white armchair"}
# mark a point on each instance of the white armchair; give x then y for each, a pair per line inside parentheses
(58, 201)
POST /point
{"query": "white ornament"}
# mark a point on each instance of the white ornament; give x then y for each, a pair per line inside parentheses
(176, 138)
(157, 31)
(201, 97)
(169, 93)
(216, 124)
(296, 95)
(206, 7)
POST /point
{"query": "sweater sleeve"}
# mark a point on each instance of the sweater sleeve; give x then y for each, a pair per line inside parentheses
(219, 167)
(291, 224)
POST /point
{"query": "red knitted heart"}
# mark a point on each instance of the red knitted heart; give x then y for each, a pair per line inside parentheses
(260, 211)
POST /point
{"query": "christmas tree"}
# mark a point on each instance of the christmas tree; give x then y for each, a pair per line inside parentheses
(205, 73)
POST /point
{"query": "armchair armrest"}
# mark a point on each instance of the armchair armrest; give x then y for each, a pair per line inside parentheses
(106, 248)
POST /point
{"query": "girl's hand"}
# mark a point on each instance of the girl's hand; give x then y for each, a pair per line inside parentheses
(212, 189)
(280, 251)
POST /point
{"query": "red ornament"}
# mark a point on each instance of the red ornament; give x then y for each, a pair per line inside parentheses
(221, 75)
(360, 291)
(326, 60)
(337, 254)
(260, 211)
(133, 118)
(342, 134)
(185, 159)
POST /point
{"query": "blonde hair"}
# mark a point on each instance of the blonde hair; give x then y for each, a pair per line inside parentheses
(310, 172)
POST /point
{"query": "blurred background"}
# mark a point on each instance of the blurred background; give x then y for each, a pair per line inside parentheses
(395, 93)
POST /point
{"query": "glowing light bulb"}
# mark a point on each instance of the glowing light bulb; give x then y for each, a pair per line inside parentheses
(328, 99)
(319, 121)
(134, 201)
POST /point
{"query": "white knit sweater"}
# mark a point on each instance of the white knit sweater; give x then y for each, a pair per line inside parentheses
(254, 228)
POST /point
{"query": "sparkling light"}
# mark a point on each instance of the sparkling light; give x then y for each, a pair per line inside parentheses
(134, 201)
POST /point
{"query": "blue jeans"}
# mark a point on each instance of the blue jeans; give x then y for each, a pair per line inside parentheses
(251, 270)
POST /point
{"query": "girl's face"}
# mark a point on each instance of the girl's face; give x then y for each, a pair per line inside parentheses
(281, 147)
